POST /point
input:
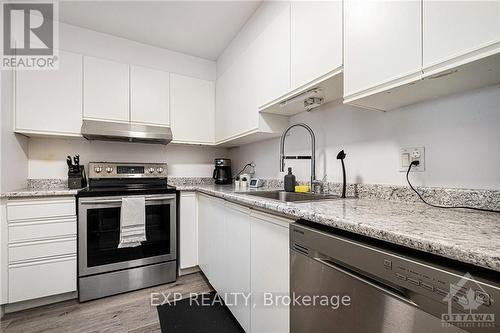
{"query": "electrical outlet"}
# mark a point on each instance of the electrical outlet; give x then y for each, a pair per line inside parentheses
(410, 154)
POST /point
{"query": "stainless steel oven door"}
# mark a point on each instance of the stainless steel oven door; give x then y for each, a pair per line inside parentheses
(99, 232)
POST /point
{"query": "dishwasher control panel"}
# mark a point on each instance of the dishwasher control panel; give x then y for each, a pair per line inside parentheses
(461, 290)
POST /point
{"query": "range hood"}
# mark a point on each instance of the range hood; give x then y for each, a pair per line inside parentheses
(125, 132)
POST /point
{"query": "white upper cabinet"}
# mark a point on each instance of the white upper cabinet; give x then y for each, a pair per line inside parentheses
(192, 109)
(382, 45)
(106, 90)
(269, 57)
(457, 28)
(255, 70)
(149, 96)
(50, 102)
(316, 40)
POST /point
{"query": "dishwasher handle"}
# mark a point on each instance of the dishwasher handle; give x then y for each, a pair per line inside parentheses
(360, 278)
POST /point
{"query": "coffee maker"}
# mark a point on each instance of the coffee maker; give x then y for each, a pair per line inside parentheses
(222, 172)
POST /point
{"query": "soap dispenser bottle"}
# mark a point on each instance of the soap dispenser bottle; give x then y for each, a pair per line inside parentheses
(289, 181)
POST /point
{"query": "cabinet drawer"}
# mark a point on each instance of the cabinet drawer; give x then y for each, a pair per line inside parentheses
(42, 249)
(40, 208)
(26, 231)
(40, 279)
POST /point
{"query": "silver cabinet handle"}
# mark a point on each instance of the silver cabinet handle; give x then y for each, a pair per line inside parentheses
(330, 264)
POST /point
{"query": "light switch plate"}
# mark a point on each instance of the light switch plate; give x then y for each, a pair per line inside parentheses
(410, 154)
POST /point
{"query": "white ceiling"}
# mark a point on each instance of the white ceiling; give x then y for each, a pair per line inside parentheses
(198, 28)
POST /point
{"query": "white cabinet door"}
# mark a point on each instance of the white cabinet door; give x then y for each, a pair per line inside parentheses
(237, 267)
(316, 40)
(205, 228)
(149, 96)
(269, 57)
(105, 90)
(270, 271)
(236, 106)
(37, 279)
(50, 102)
(211, 239)
(382, 44)
(217, 259)
(260, 73)
(192, 109)
(454, 28)
(188, 231)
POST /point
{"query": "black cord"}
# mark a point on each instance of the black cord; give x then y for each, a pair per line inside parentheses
(248, 164)
(439, 206)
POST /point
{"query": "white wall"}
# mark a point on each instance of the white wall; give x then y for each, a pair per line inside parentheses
(47, 156)
(461, 135)
(97, 44)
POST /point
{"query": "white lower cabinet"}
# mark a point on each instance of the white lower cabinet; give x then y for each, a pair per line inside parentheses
(237, 262)
(270, 272)
(42, 278)
(188, 230)
(245, 252)
(204, 233)
(41, 247)
(210, 229)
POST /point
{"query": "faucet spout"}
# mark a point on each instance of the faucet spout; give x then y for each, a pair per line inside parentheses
(313, 151)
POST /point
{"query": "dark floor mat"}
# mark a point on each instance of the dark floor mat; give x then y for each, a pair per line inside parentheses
(189, 317)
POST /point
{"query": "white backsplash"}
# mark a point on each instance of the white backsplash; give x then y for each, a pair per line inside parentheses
(47, 156)
(460, 133)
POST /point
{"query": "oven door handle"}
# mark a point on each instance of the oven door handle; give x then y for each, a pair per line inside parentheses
(109, 201)
(375, 285)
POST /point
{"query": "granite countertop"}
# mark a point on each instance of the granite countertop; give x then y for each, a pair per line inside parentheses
(468, 236)
(38, 192)
(465, 235)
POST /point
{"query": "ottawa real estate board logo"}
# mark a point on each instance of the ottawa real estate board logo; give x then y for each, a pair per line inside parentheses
(469, 305)
(29, 35)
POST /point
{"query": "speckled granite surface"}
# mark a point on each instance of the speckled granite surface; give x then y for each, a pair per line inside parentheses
(34, 192)
(464, 235)
(41, 188)
(489, 199)
(180, 181)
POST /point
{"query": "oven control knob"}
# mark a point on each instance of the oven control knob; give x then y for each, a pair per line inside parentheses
(109, 169)
(159, 170)
(97, 169)
(151, 170)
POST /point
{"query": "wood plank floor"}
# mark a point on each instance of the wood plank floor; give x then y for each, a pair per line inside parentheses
(131, 312)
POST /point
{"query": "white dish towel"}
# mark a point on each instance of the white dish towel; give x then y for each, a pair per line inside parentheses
(132, 222)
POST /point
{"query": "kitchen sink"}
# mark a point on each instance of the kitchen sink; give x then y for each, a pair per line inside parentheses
(290, 196)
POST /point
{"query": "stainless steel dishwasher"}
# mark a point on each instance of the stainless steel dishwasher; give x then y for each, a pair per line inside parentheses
(390, 290)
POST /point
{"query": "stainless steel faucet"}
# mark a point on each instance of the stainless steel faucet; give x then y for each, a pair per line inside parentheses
(312, 157)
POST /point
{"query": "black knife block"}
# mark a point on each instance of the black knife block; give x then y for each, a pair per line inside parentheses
(76, 177)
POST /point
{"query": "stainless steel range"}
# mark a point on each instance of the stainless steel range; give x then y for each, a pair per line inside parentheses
(105, 269)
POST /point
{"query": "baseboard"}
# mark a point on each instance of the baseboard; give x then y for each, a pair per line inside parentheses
(189, 270)
(33, 303)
